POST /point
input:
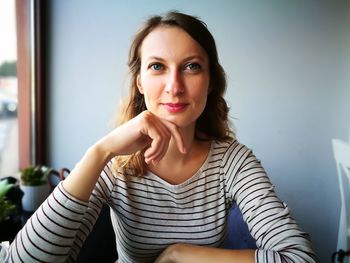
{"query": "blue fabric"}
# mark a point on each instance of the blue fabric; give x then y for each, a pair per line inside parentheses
(238, 236)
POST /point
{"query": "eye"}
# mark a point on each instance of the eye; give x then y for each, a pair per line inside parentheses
(156, 66)
(193, 66)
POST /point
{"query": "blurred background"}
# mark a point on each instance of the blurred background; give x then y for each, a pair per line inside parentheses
(8, 89)
(287, 63)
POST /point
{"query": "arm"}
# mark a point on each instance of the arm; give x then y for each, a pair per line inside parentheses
(145, 130)
(186, 253)
(57, 230)
(278, 236)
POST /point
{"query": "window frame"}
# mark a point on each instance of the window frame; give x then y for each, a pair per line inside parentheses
(30, 75)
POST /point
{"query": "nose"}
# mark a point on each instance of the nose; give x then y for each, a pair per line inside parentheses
(174, 82)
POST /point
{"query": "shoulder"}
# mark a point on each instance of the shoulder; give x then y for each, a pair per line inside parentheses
(230, 148)
(231, 154)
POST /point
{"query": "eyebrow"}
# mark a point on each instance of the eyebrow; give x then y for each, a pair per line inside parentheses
(186, 59)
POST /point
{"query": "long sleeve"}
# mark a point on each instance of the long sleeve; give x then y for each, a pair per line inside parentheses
(277, 235)
(59, 227)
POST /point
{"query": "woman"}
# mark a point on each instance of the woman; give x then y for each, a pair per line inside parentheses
(171, 171)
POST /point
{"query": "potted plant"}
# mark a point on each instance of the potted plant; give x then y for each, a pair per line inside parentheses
(34, 184)
(9, 211)
(7, 208)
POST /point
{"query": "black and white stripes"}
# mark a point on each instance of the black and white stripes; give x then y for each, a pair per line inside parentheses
(51, 233)
(149, 214)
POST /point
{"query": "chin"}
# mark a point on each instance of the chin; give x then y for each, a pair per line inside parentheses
(180, 121)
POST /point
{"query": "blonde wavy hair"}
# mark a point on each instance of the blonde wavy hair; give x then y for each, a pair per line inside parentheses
(213, 122)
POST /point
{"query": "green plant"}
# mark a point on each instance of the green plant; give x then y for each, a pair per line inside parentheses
(4, 187)
(7, 208)
(35, 175)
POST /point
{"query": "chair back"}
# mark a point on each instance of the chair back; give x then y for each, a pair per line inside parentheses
(341, 152)
(56, 176)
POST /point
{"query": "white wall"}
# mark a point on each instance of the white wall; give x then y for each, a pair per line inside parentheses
(288, 89)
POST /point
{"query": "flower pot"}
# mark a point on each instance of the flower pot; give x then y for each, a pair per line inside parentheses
(34, 196)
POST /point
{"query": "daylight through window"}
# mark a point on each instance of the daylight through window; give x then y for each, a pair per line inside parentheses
(8, 90)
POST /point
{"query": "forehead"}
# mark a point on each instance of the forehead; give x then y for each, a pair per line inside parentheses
(170, 42)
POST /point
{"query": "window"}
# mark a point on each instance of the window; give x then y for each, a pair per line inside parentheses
(29, 116)
(9, 161)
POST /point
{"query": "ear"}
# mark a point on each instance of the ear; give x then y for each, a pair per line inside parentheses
(138, 83)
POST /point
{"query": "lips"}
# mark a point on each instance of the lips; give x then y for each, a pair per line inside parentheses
(175, 107)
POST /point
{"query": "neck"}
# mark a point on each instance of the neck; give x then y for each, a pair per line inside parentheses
(183, 166)
(173, 152)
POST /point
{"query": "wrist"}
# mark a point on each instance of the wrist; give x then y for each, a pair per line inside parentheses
(176, 253)
(82, 179)
(100, 151)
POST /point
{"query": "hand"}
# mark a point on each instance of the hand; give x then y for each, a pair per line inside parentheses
(187, 253)
(170, 254)
(145, 131)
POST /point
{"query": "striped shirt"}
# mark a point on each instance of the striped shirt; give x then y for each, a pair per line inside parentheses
(148, 214)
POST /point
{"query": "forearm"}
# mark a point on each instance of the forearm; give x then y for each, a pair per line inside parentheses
(82, 179)
(186, 253)
(49, 234)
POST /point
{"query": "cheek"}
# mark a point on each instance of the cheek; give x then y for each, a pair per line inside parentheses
(149, 80)
(151, 88)
(201, 91)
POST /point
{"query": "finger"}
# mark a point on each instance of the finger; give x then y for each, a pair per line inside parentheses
(176, 135)
(154, 149)
(160, 153)
(160, 136)
(158, 147)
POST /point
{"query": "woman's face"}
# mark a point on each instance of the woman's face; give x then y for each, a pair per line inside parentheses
(174, 75)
